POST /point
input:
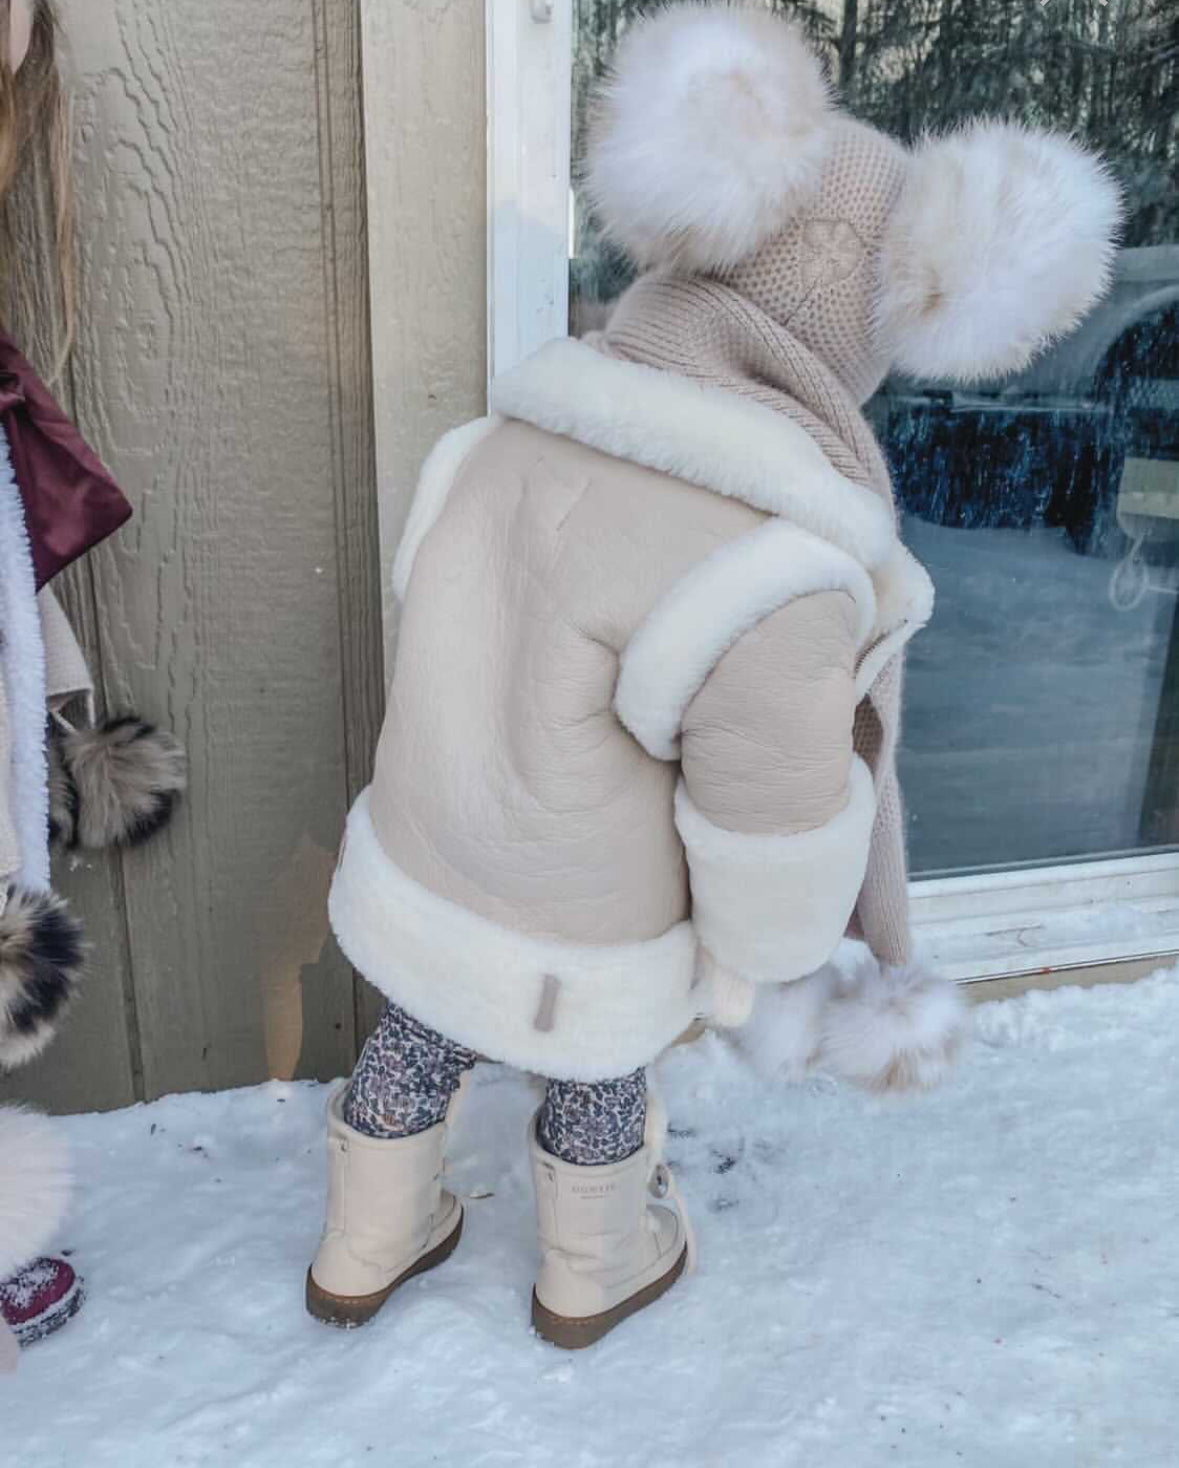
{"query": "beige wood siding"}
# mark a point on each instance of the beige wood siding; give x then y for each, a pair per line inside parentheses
(223, 372)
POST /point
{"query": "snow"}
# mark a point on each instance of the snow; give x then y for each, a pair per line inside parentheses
(985, 1275)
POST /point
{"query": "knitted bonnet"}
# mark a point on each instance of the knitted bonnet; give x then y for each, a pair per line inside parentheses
(717, 149)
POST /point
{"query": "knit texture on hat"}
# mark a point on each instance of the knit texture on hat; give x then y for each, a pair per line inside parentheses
(817, 278)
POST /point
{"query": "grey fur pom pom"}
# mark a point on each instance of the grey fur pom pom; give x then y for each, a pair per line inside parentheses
(40, 963)
(113, 785)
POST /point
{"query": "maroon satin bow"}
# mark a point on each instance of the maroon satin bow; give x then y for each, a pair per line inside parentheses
(70, 501)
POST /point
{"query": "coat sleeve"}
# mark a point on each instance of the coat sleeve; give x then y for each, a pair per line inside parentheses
(745, 672)
(774, 807)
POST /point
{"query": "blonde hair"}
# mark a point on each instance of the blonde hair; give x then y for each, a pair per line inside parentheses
(36, 197)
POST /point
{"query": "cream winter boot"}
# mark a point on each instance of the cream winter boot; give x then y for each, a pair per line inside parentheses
(388, 1217)
(612, 1240)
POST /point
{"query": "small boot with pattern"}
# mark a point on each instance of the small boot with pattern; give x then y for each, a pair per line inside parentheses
(40, 1299)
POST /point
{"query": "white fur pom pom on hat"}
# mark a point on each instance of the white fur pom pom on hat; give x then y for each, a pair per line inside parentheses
(710, 132)
(1002, 240)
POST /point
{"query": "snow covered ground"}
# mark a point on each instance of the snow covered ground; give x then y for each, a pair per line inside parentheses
(987, 1276)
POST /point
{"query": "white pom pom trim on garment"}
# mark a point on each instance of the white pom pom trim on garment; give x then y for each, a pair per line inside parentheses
(1001, 241)
(885, 1029)
(710, 133)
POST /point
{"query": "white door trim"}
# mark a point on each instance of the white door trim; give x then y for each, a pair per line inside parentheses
(529, 90)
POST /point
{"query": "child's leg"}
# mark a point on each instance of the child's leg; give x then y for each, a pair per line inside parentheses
(592, 1123)
(407, 1074)
(405, 1078)
(613, 1233)
(388, 1216)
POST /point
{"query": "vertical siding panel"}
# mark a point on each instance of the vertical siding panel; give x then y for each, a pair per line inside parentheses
(203, 375)
(345, 258)
(426, 141)
(346, 268)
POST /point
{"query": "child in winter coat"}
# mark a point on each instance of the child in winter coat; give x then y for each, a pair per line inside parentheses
(639, 756)
(86, 786)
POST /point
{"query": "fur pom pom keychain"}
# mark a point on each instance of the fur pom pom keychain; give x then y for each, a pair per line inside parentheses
(115, 784)
(41, 956)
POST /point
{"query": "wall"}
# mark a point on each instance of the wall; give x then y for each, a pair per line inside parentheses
(223, 372)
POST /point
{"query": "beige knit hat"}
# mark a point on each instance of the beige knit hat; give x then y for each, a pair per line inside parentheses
(817, 276)
(716, 149)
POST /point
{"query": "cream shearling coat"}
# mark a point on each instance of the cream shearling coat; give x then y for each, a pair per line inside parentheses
(616, 787)
(655, 610)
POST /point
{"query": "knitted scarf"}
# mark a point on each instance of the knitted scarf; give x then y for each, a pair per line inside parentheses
(704, 330)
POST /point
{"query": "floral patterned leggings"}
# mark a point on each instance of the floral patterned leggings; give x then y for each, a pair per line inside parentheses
(407, 1074)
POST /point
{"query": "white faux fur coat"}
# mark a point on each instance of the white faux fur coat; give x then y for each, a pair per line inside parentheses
(616, 789)
(40, 666)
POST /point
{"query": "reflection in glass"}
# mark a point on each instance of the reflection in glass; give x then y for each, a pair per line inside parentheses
(1042, 715)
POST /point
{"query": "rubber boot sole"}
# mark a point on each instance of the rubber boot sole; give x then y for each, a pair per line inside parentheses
(575, 1332)
(347, 1312)
(52, 1319)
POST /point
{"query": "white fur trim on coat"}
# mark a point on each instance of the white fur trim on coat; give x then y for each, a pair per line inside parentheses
(704, 435)
(22, 665)
(886, 1029)
(1001, 241)
(34, 1185)
(572, 1011)
(904, 604)
(730, 998)
(772, 908)
(686, 634)
(709, 134)
(435, 482)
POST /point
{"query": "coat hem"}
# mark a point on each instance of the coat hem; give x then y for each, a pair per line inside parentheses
(565, 1010)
